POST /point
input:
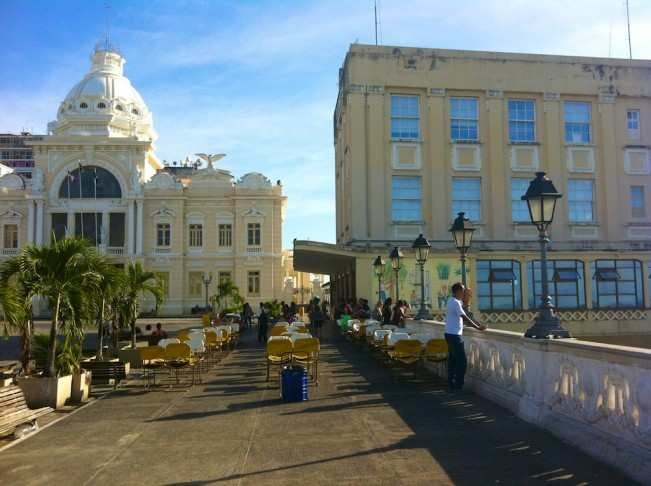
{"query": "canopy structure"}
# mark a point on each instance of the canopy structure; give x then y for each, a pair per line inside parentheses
(322, 258)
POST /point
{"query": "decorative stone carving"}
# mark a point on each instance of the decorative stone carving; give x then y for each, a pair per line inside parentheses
(12, 182)
(135, 182)
(254, 180)
(253, 212)
(12, 214)
(163, 180)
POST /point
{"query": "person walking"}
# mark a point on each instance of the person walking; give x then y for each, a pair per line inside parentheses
(455, 318)
(316, 318)
(263, 324)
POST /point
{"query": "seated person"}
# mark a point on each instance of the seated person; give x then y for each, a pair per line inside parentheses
(158, 334)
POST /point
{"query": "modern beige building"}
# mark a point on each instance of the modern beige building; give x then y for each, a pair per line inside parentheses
(96, 174)
(301, 287)
(421, 134)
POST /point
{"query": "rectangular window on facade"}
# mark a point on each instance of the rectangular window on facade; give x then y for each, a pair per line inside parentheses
(638, 208)
(163, 234)
(254, 283)
(633, 124)
(195, 284)
(466, 197)
(196, 235)
(253, 234)
(406, 197)
(224, 277)
(11, 236)
(225, 235)
(464, 119)
(405, 117)
(522, 121)
(580, 200)
(89, 226)
(519, 208)
(617, 284)
(59, 226)
(164, 279)
(577, 122)
(498, 283)
(566, 282)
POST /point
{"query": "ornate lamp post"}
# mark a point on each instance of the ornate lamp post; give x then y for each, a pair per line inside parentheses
(206, 279)
(462, 231)
(422, 247)
(395, 256)
(541, 197)
(378, 268)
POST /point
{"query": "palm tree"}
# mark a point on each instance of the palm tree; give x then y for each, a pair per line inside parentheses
(107, 289)
(12, 316)
(137, 283)
(63, 272)
(227, 293)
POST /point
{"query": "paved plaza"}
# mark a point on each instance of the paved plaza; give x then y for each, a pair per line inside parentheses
(363, 424)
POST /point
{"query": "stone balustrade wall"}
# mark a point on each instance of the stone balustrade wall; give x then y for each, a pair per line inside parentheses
(596, 396)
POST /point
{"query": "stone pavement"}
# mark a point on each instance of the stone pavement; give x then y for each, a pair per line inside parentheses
(364, 424)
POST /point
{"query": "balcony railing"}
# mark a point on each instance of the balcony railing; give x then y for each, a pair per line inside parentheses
(162, 250)
(115, 250)
(254, 251)
(9, 251)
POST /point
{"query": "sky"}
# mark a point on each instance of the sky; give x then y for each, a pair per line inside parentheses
(257, 80)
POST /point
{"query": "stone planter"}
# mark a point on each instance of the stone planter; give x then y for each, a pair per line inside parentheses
(131, 356)
(41, 391)
(80, 389)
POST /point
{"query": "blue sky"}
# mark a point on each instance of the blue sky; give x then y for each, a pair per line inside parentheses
(258, 79)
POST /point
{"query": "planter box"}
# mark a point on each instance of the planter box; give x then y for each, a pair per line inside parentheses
(80, 390)
(131, 356)
(41, 391)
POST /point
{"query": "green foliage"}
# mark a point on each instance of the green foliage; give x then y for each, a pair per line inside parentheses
(228, 298)
(136, 282)
(443, 270)
(68, 354)
(274, 308)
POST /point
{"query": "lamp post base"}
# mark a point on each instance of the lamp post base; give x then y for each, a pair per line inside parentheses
(547, 325)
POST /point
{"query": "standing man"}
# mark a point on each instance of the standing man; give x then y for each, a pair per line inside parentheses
(455, 318)
(263, 324)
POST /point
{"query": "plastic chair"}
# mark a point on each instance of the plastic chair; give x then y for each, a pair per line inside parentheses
(279, 353)
(183, 335)
(163, 343)
(306, 353)
(179, 356)
(407, 351)
(153, 358)
(436, 350)
(278, 330)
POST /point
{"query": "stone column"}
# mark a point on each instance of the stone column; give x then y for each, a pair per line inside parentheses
(139, 227)
(39, 222)
(70, 224)
(30, 222)
(130, 226)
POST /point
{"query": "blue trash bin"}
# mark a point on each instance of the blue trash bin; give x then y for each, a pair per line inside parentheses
(294, 384)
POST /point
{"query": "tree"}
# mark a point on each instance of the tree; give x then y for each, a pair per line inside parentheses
(228, 298)
(100, 302)
(138, 282)
(62, 272)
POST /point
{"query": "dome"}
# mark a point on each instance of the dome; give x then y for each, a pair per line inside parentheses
(104, 102)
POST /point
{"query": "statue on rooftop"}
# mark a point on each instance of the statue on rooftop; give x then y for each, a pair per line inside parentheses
(210, 158)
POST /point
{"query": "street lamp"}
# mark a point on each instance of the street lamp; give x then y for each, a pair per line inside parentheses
(462, 231)
(541, 197)
(378, 268)
(422, 247)
(395, 256)
(206, 282)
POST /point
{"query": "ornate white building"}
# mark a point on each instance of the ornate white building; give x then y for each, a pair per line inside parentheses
(96, 174)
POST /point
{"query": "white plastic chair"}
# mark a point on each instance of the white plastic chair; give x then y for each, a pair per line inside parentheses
(378, 334)
(164, 342)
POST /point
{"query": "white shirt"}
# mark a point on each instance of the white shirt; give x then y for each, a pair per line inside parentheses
(453, 317)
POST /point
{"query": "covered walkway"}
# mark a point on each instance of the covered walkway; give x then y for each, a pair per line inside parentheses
(364, 424)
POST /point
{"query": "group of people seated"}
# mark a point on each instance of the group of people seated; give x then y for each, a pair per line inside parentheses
(385, 312)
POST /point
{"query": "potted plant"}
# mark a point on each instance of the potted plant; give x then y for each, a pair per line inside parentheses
(65, 274)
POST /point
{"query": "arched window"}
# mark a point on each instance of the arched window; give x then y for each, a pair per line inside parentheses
(134, 111)
(101, 105)
(83, 106)
(94, 182)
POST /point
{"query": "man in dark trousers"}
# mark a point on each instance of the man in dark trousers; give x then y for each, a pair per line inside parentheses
(263, 325)
(455, 318)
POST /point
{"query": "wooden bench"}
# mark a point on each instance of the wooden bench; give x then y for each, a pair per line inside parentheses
(105, 371)
(14, 410)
